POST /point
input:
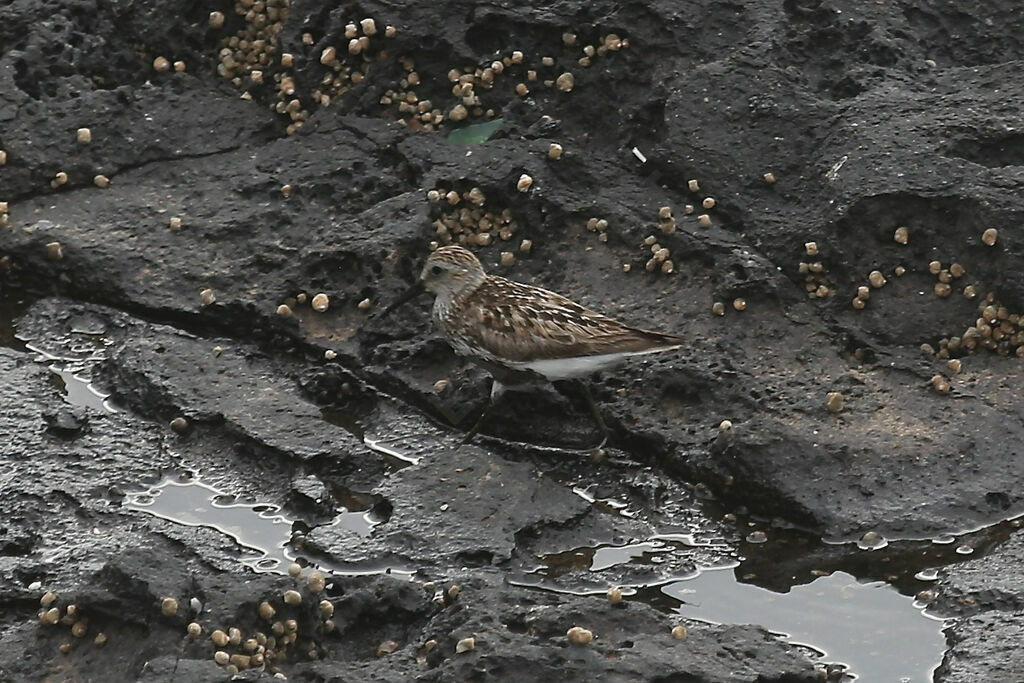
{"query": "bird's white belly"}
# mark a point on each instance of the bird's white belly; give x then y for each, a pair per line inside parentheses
(580, 366)
(569, 368)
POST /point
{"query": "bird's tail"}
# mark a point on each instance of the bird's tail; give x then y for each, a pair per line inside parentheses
(668, 341)
(648, 341)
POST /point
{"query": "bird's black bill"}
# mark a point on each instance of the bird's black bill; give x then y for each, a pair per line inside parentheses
(405, 297)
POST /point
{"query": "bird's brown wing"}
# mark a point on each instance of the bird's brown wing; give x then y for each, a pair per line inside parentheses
(521, 323)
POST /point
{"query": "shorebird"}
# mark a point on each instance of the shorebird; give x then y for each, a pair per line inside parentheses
(518, 332)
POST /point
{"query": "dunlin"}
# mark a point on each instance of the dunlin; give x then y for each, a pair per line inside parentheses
(518, 332)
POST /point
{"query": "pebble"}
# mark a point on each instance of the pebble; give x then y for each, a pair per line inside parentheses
(316, 581)
(240, 661)
(871, 539)
(169, 606)
(458, 113)
(320, 302)
(578, 635)
(940, 384)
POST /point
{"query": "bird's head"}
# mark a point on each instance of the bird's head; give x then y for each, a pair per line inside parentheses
(450, 270)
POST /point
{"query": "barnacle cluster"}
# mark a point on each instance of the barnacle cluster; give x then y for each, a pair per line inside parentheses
(293, 623)
(510, 70)
(465, 218)
(997, 329)
(52, 614)
(816, 280)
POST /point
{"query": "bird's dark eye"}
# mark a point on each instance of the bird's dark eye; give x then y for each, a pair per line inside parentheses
(436, 270)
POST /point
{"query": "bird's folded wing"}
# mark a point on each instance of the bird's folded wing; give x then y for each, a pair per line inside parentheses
(521, 323)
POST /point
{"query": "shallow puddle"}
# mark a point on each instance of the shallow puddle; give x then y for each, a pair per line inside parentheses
(868, 628)
(262, 534)
(70, 358)
(791, 583)
(876, 633)
(78, 389)
(71, 363)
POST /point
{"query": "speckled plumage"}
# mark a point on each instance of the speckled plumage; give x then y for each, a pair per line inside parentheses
(517, 327)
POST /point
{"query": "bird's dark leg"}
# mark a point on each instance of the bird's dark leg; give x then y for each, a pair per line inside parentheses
(596, 413)
(497, 389)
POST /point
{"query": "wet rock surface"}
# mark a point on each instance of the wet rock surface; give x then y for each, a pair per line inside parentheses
(802, 123)
(988, 594)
